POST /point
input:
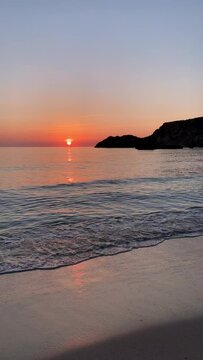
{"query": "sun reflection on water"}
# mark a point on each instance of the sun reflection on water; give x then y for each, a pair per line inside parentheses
(79, 276)
(70, 159)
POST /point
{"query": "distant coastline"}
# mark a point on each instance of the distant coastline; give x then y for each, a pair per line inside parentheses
(171, 135)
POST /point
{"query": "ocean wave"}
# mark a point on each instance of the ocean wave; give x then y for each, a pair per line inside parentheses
(51, 242)
(107, 182)
(45, 227)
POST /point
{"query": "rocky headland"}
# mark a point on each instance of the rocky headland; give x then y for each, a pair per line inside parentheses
(171, 135)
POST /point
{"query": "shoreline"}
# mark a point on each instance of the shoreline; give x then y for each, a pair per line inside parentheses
(97, 256)
(81, 261)
(107, 305)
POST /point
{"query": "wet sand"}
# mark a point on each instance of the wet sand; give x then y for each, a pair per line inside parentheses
(146, 304)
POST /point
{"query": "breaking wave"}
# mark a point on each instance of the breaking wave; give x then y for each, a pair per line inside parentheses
(44, 227)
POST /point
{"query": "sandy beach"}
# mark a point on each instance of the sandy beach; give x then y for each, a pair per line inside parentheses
(144, 304)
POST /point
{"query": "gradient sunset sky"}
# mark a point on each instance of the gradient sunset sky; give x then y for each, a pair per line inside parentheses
(87, 69)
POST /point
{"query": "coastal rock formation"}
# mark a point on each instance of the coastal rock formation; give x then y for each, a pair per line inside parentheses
(171, 135)
(124, 141)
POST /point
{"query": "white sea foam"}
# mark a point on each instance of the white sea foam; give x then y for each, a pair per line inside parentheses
(50, 225)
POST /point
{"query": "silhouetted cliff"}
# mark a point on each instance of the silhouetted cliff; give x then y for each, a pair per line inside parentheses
(171, 135)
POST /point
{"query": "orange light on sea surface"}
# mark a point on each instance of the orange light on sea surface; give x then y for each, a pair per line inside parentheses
(69, 142)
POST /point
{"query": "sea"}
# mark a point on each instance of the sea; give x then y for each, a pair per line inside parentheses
(61, 206)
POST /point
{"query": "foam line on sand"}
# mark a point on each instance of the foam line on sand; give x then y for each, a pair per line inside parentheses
(145, 304)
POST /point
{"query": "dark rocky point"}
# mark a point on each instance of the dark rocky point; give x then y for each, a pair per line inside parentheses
(171, 135)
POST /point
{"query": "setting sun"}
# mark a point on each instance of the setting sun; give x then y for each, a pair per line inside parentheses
(69, 142)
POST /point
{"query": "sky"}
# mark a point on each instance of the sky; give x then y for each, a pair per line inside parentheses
(87, 69)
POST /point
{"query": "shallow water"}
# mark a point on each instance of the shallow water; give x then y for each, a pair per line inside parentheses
(60, 206)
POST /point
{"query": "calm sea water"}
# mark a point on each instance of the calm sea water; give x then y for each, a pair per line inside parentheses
(60, 206)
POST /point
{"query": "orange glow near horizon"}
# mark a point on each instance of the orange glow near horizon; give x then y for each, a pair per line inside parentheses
(49, 93)
(49, 131)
